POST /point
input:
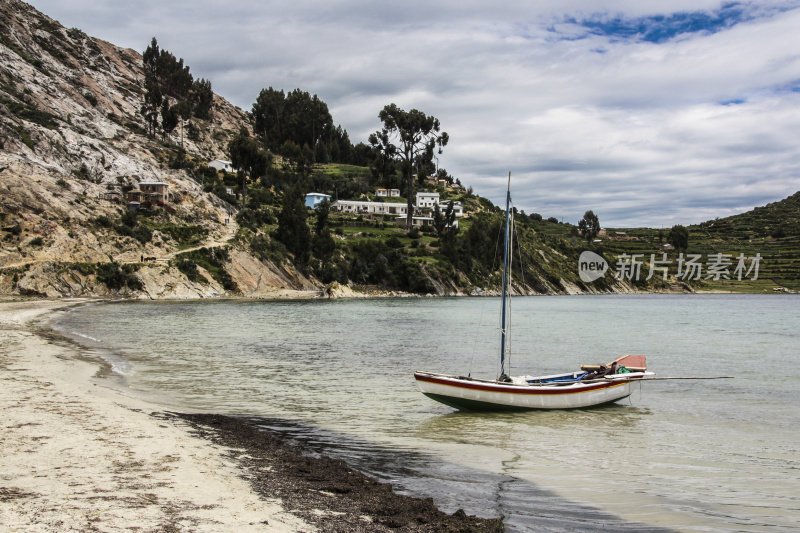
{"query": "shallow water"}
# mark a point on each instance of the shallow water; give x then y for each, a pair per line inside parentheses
(682, 455)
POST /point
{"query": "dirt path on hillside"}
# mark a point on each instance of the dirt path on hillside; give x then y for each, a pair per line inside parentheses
(230, 232)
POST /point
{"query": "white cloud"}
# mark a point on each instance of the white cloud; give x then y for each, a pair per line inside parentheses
(636, 131)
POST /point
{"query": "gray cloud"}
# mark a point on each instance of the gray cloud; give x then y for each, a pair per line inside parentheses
(696, 125)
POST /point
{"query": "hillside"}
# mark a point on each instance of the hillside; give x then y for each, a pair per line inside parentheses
(771, 232)
(74, 141)
(71, 134)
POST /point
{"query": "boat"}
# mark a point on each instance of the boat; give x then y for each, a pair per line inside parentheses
(590, 386)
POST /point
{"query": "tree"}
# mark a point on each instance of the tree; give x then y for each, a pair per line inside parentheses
(298, 117)
(438, 220)
(173, 77)
(441, 174)
(166, 80)
(268, 116)
(411, 136)
(443, 222)
(150, 60)
(184, 111)
(152, 104)
(341, 149)
(299, 158)
(678, 237)
(292, 229)
(384, 162)
(202, 98)
(323, 244)
(589, 226)
(169, 118)
(248, 158)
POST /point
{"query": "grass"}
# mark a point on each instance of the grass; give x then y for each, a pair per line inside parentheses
(342, 170)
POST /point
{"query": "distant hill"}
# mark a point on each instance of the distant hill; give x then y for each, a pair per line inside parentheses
(773, 231)
(777, 220)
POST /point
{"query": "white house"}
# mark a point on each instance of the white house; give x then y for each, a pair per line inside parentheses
(427, 199)
(315, 198)
(393, 193)
(458, 209)
(221, 164)
(373, 208)
(430, 199)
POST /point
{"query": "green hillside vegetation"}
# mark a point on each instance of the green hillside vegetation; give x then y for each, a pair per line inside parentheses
(773, 231)
(295, 149)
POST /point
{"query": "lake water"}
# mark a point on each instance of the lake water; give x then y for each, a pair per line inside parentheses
(677, 455)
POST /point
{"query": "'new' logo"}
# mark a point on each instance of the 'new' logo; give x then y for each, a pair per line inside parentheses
(591, 267)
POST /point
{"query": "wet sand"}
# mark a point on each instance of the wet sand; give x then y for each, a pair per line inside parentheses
(78, 456)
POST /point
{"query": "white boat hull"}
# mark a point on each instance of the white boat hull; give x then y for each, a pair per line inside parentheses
(475, 394)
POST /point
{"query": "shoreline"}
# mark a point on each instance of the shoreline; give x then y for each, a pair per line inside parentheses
(79, 456)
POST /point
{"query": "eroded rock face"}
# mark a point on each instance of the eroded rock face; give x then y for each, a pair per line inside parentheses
(71, 142)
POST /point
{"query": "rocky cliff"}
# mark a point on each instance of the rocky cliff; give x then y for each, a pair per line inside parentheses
(72, 142)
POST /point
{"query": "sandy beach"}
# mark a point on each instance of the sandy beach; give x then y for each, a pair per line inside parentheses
(76, 455)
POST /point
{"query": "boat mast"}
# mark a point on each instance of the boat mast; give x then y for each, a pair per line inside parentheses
(505, 283)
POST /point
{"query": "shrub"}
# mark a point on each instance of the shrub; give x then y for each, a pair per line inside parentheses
(37, 241)
(82, 172)
(130, 227)
(179, 161)
(394, 242)
(778, 233)
(267, 249)
(103, 221)
(130, 219)
(115, 277)
(189, 269)
(211, 259)
(192, 132)
(16, 229)
(85, 268)
(253, 218)
(143, 234)
(25, 137)
(140, 233)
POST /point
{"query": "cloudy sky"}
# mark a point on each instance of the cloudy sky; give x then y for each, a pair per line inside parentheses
(650, 113)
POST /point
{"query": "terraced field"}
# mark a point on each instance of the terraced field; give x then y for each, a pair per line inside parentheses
(770, 233)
